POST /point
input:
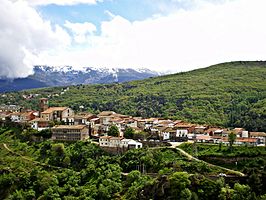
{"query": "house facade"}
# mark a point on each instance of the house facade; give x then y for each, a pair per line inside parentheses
(10, 108)
(64, 114)
(119, 142)
(22, 117)
(40, 124)
(70, 132)
(260, 136)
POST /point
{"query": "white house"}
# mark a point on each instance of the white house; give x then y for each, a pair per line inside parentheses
(245, 134)
(124, 142)
(15, 117)
(132, 144)
(119, 142)
(104, 141)
(242, 141)
(181, 133)
(260, 136)
(166, 135)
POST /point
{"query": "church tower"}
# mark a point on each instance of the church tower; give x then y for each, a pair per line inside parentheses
(43, 104)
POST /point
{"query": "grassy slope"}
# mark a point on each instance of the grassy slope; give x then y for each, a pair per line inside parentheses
(229, 94)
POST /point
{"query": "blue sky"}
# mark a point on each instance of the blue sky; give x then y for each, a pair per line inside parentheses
(132, 10)
(162, 35)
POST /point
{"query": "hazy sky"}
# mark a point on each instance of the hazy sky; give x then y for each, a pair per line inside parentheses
(175, 35)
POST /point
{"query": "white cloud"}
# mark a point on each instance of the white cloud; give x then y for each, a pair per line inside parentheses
(23, 36)
(81, 31)
(60, 2)
(181, 41)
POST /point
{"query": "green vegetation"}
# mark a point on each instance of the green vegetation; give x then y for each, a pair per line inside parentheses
(229, 94)
(129, 133)
(113, 131)
(248, 160)
(81, 170)
(231, 139)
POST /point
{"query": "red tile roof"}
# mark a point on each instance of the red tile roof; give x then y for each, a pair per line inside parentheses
(52, 109)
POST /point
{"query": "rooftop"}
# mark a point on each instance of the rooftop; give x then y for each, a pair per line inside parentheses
(251, 140)
(83, 115)
(106, 113)
(183, 125)
(203, 137)
(53, 109)
(257, 134)
(69, 127)
(39, 120)
(105, 137)
(116, 138)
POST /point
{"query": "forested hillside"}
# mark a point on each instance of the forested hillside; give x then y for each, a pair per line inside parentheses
(81, 170)
(230, 94)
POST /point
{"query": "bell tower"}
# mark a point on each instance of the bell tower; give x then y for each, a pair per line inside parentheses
(43, 104)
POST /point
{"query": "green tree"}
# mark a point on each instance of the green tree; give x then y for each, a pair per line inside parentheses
(45, 133)
(26, 134)
(57, 155)
(129, 133)
(241, 192)
(185, 194)
(140, 135)
(113, 131)
(179, 182)
(255, 183)
(231, 139)
(226, 193)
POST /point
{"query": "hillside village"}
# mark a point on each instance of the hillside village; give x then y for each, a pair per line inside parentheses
(66, 125)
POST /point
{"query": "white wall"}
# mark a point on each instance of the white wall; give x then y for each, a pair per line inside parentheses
(181, 133)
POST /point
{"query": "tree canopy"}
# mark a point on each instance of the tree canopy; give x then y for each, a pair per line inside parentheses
(81, 170)
(113, 131)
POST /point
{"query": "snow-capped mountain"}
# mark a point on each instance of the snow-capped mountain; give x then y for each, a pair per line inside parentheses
(45, 76)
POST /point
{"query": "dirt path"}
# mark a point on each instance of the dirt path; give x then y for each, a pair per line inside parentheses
(190, 157)
(28, 159)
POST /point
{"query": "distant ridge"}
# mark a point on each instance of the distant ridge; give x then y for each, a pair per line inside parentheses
(45, 76)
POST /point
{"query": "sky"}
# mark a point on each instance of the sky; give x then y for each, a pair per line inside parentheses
(162, 35)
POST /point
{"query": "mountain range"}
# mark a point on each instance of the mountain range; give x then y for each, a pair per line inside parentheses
(48, 76)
